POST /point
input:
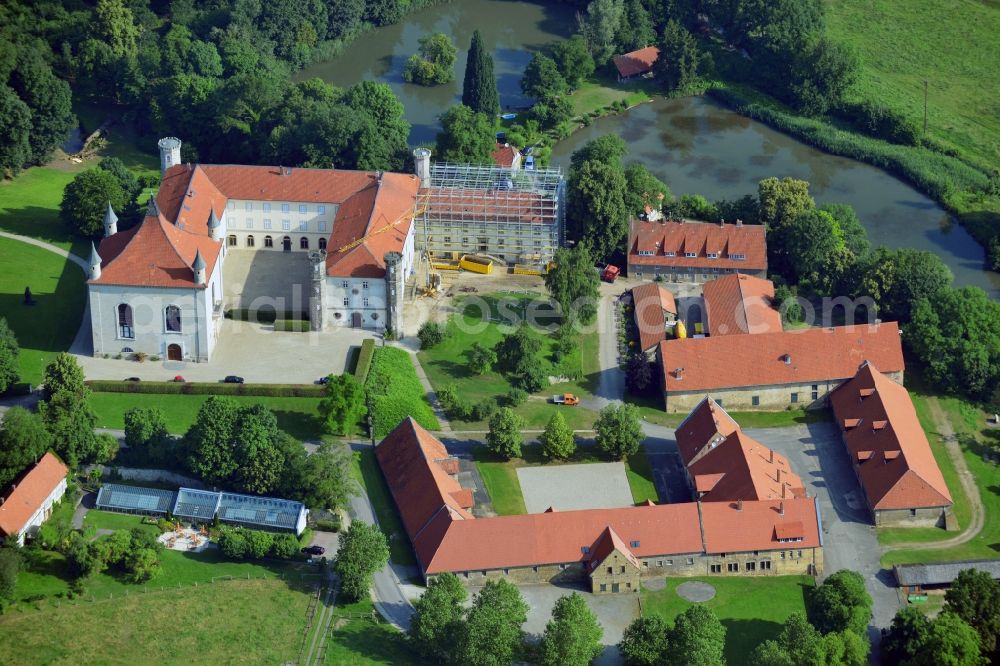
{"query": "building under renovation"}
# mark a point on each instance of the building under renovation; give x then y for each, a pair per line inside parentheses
(513, 215)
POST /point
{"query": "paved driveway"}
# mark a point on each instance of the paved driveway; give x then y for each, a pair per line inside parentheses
(254, 351)
(279, 279)
(569, 487)
(817, 455)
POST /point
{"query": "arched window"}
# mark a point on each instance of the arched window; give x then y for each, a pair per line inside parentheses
(268, 241)
(232, 241)
(172, 316)
(125, 322)
(303, 243)
(322, 243)
(249, 241)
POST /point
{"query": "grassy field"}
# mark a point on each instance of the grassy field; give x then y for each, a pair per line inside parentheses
(47, 328)
(296, 416)
(751, 609)
(363, 642)
(109, 520)
(367, 472)
(603, 90)
(446, 364)
(640, 478)
(29, 205)
(951, 44)
(196, 625)
(500, 479)
(978, 441)
(395, 392)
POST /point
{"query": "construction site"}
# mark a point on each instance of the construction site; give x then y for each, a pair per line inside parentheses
(485, 218)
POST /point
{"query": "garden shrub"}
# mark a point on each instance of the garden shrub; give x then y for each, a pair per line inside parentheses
(364, 360)
(431, 334)
(208, 388)
(516, 397)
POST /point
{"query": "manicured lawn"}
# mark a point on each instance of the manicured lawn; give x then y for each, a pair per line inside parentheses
(298, 417)
(500, 479)
(109, 520)
(951, 44)
(29, 205)
(976, 439)
(395, 392)
(446, 364)
(48, 327)
(369, 475)
(751, 609)
(640, 478)
(365, 642)
(603, 91)
(261, 621)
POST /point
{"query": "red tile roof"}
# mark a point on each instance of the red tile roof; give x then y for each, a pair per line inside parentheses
(650, 301)
(732, 527)
(504, 155)
(30, 491)
(887, 444)
(700, 238)
(707, 424)
(738, 304)
(447, 538)
(744, 469)
(162, 253)
(769, 359)
(636, 62)
(607, 543)
(423, 490)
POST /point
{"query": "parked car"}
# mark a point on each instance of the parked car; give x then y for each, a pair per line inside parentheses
(178, 378)
(233, 379)
(132, 379)
(314, 550)
(323, 380)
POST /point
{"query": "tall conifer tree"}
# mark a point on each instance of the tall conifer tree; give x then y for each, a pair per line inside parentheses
(479, 90)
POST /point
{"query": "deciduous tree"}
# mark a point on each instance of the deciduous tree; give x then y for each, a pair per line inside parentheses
(644, 189)
(466, 137)
(481, 359)
(681, 60)
(638, 374)
(697, 639)
(841, 603)
(949, 640)
(86, 199)
(210, 440)
(146, 432)
(435, 63)
(574, 60)
(597, 213)
(326, 481)
(558, 441)
(23, 441)
(574, 284)
(645, 641)
(437, 618)
(344, 405)
(504, 437)
(909, 628)
(619, 432)
(66, 411)
(10, 565)
(493, 625)
(363, 551)
(573, 635)
(974, 596)
(542, 79)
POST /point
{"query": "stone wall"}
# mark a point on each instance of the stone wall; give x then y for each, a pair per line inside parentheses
(686, 275)
(806, 395)
(927, 517)
(615, 574)
(787, 562)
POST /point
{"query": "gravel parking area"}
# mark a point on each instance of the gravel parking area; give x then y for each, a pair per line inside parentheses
(568, 487)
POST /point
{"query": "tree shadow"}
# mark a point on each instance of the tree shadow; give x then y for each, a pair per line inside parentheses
(743, 635)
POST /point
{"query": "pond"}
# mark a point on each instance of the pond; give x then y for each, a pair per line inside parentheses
(697, 146)
(513, 30)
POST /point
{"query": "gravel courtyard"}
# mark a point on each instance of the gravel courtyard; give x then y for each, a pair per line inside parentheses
(568, 487)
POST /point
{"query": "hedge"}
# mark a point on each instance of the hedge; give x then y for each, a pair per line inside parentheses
(294, 325)
(364, 360)
(264, 315)
(205, 388)
(395, 392)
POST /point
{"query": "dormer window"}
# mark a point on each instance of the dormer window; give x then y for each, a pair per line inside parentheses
(690, 255)
(738, 257)
(670, 253)
(645, 253)
(713, 255)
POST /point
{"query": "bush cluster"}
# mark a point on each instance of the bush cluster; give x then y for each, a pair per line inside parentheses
(240, 543)
(882, 122)
(205, 388)
(431, 334)
(291, 325)
(462, 409)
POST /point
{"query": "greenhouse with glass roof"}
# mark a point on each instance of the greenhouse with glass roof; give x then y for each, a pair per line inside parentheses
(204, 505)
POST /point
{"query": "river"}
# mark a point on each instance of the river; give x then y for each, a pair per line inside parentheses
(694, 145)
(514, 30)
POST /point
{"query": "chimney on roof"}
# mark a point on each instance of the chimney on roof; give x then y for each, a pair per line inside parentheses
(739, 505)
(779, 475)
(787, 359)
(781, 508)
(679, 373)
(739, 222)
(771, 459)
(722, 222)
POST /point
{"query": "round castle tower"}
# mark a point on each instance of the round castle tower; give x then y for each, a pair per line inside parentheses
(170, 152)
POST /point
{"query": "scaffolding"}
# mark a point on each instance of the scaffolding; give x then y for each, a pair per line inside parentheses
(513, 214)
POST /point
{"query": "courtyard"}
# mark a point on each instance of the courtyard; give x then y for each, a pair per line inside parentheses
(570, 487)
(267, 278)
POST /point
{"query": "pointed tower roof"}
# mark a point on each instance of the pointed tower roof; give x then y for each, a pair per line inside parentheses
(213, 220)
(109, 216)
(95, 259)
(152, 210)
(199, 263)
